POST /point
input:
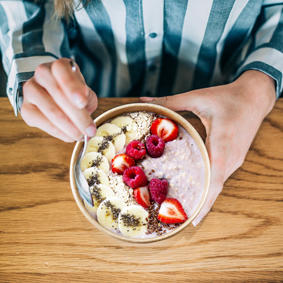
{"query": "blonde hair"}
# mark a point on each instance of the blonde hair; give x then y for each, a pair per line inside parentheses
(65, 8)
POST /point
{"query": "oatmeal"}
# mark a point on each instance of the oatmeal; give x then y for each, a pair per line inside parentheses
(149, 177)
(182, 165)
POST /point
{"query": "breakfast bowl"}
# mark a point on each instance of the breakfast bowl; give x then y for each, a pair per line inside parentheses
(152, 178)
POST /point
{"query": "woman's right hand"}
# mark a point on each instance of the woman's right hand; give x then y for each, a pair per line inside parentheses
(58, 101)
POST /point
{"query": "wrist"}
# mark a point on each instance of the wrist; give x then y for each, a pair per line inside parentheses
(258, 89)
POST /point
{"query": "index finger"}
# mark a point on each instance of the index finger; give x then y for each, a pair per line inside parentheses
(70, 82)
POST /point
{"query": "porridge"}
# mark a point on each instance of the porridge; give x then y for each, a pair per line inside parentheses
(145, 174)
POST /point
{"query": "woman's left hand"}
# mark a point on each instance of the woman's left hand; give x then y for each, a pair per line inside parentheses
(232, 115)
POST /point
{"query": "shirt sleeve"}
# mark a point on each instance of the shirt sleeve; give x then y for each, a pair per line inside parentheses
(30, 35)
(264, 51)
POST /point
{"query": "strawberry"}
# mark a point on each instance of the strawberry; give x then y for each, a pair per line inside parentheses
(165, 129)
(142, 196)
(121, 162)
(171, 211)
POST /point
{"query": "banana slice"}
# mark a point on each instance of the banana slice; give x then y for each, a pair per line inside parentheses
(132, 221)
(98, 144)
(94, 159)
(97, 176)
(99, 193)
(129, 124)
(114, 133)
(108, 212)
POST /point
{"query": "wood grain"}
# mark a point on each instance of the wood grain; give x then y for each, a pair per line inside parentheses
(44, 237)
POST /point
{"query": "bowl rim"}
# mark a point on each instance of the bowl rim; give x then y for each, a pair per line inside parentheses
(163, 111)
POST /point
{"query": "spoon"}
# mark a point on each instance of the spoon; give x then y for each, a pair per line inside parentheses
(81, 182)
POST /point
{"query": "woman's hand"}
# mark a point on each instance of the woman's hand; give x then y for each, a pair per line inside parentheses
(58, 101)
(232, 115)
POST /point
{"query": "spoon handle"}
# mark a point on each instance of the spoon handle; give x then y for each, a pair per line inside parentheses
(73, 65)
(82, 184)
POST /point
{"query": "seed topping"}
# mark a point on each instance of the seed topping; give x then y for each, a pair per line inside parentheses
(96, 162)
(103, 145)
(124, 129)
(114, 210)
(93, 179)
(96, 194)
(130, 220)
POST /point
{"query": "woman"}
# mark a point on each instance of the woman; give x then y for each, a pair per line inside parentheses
(221, 60)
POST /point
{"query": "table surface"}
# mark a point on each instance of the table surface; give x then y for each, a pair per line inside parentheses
(44, 237)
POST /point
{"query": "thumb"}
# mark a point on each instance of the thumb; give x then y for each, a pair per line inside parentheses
(217, 164)
(179, 102)
(214, 190)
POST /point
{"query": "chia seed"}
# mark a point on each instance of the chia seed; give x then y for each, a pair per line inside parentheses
(93, 180)
(104, 145)
(130, 220)
(96, 162)
(124, 129)
(96, 194)
(111, 138)
(115, 211)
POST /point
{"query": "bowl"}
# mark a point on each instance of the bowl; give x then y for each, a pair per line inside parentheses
(163, 112)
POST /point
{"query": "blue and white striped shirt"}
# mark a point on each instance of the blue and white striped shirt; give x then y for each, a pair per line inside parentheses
(145, 47)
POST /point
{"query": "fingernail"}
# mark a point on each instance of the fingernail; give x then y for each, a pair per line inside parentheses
(90, 131)
(146, 98)
(78, 100)
(195, 222)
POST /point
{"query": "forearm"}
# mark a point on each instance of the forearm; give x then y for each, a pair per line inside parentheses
(27, 40)
(264, 48)
(258, 90)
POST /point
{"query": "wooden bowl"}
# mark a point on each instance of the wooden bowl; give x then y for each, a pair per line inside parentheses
(163, 112)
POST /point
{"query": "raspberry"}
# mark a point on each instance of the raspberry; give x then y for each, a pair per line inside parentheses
(158, 189)
(155, 146)
(136, 150)
(134, 177)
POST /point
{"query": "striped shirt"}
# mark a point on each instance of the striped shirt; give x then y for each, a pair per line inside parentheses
(145, 47)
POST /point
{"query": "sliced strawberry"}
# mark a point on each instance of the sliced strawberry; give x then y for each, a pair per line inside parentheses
(171, 211)
(121, 162)
(142, 196)
(165, 129)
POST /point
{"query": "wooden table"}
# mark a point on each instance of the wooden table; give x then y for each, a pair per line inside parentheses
(45, 238)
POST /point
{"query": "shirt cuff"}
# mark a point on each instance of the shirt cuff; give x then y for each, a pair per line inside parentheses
(22, 69)
(267, 60)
